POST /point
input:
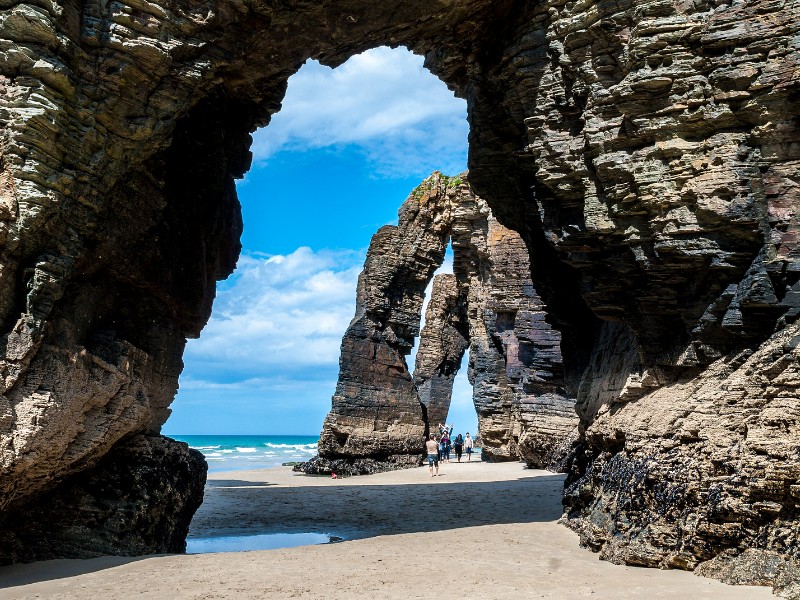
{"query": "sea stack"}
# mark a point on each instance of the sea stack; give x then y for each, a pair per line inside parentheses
(382, 414)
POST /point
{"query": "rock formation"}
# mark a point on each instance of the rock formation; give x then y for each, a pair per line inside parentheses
(380, 414)
(515, 364)
(645, 152)
(442, 343)
(376, 412)
(138, 499)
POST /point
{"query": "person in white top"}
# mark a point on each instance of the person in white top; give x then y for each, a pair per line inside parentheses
(468, 445)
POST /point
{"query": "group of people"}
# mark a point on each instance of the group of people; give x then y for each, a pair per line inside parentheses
(440, 451)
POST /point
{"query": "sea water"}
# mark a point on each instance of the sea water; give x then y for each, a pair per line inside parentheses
(263, 541)
(240, 452)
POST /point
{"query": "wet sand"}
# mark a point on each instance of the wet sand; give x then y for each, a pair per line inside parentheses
(478, 530)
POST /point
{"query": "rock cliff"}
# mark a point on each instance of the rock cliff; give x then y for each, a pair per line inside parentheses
(647, 154)
(515, 367)
(376, 412)
(381, 414)
(442, 344)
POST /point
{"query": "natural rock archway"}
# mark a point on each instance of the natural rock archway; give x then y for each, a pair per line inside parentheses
(646, 152)
(381, 412)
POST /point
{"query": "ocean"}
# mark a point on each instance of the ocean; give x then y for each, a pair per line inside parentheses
(240, 452)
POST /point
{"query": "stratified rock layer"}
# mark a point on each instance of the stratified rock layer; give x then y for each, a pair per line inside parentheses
(662, 153)
(646, 152)
(139, 499)
(515, 364)
(376, 412)
(442, 344)
(379, 415)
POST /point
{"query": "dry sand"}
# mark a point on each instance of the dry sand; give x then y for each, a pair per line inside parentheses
(479, 530)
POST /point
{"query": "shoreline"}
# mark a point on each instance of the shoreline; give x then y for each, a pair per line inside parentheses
(487, 530)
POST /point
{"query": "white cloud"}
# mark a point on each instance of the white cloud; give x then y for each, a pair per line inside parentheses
(278, 312)
(384, 103)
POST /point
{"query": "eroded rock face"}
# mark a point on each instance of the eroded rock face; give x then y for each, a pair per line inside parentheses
(660, 146)
(380, 415)
(123, 128)
(516, 370)
(376, 412)
(646, 152)
(442, 343)
(138, 499)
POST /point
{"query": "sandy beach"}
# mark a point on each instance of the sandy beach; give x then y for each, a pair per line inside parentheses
(479, 530)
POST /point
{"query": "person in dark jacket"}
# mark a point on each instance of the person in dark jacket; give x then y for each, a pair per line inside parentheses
(458, 444)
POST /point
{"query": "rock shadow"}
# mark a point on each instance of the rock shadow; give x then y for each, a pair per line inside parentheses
(360, 511)
(48, 570)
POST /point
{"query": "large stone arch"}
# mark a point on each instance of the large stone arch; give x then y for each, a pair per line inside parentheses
(382, 412)
(647, 154)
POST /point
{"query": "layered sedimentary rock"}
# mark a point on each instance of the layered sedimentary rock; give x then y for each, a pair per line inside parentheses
(123, 128)
(376, 413)
(380, 415)
(646, 152)
(663, 161)
(138, 499)
(442, 344)
(515, 363)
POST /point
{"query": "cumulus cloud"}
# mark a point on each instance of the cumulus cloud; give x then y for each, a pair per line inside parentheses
(384, 103)
(272, 346)
(278, 312)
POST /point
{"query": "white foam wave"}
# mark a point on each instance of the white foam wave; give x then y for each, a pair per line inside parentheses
(246, 449)
(213, 455)
(302, 447)
(204, 447)
(227, 451)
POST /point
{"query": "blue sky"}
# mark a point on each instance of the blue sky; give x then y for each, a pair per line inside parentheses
(333, 166)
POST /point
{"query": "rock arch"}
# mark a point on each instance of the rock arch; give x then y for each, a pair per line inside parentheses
(381, 412)
(646, 153)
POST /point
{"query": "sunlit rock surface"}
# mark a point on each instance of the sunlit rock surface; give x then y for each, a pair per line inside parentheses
(376, 412)
(647, 153)
(442, 344)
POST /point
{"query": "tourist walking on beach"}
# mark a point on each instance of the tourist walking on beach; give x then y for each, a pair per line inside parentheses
(442, 448)
(447, 446)
(459, 446)
(468, 445)
(432, 448)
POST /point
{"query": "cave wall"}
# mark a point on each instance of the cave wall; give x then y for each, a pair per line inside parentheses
(655, 171)
(647, 153)
(122, 129)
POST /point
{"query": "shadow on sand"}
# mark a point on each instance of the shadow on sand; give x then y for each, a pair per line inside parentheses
(239, 507)
(358, 511)
(48, 570)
